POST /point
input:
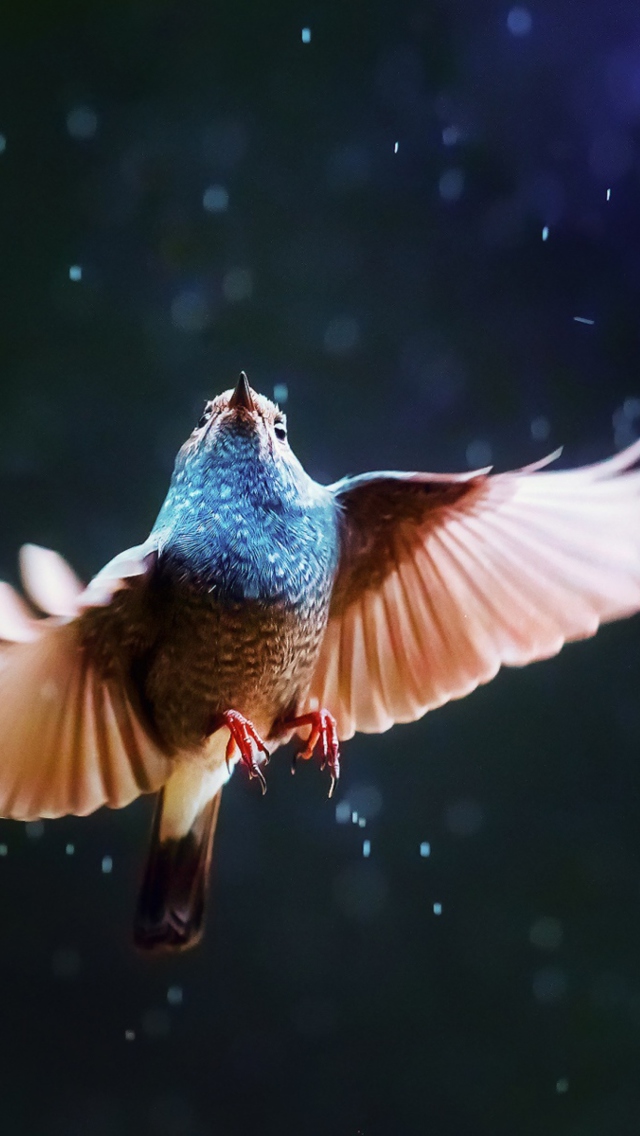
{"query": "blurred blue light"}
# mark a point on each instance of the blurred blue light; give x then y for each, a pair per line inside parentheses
(75, 272)
(190, 311)
(306, 35)
(562, 1085)
(343, 812)
(281, 392)
(519, 21)
(3, 849)
(70, 849)
(3, 143)
(82, 123)
(478, 454)
(425, 849)
(451, 184)
(107, 864)
(366, 849)
(215, 199)
(583, 319)
(237, 285)
(341, 336)
(540, 428)
(450, 135)
(395, 147)
(437, 909)
(545, 233)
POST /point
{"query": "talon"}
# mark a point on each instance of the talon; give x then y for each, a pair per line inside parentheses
(323, 730)
(247, 740)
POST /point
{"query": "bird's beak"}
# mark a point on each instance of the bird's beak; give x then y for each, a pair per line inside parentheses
(242, 397)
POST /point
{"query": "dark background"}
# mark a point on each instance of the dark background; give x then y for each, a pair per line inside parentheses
(233, 198)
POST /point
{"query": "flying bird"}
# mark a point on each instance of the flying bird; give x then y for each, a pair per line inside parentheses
(264, 606)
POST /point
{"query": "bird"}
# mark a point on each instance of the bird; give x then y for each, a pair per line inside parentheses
(265, 607)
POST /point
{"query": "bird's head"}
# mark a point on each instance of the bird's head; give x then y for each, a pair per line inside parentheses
(239, 418)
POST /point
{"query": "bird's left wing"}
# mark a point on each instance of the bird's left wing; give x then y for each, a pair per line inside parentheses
(442, 579)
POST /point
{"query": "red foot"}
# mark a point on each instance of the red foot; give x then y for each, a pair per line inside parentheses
(324, 730)
(247, 739)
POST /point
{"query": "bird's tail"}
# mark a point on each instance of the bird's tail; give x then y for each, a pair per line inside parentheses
(172, 900)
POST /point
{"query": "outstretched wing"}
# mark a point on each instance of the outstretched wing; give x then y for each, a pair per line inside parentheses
(442, 579)
(70, 740)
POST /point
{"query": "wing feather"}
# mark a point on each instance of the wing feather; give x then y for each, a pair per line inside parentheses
(444, 579)
(69, 739)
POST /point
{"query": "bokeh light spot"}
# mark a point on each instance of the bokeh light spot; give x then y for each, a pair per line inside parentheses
(237, 285)
(540, 428)
(82, 123)
(478, 454)
(341, 336)
(451, 184)
(190, 311)
(546, 933)
(215, 199)
(519, 21)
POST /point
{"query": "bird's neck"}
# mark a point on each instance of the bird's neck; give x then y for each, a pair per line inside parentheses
(247, 529)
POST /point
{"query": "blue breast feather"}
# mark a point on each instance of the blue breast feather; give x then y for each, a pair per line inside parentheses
(242, 527)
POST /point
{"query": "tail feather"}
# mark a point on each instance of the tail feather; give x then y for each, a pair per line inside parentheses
(171, 905)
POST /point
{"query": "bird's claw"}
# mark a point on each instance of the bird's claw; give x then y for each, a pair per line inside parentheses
(245, 737)
(324, 731)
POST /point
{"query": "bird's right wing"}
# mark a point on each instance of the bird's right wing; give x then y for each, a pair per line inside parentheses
(70, 740)
(444, 578)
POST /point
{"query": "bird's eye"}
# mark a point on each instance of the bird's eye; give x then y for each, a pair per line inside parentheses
(204, 417)
(280, 431)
